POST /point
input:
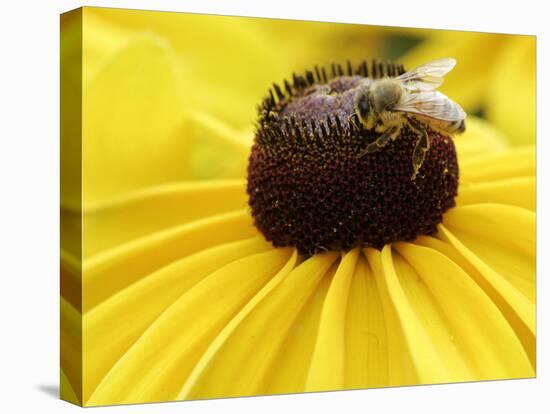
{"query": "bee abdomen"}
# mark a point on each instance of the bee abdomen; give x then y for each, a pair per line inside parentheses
(458, 126)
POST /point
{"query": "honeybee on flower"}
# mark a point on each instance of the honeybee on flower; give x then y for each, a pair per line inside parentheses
(410, 99)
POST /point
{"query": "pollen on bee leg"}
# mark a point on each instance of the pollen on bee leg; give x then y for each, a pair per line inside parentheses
(309, 189)
(419, 152)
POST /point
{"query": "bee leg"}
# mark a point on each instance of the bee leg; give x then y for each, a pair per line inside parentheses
(422, 145)
(352, 120)
(380, 142)
(420, 150)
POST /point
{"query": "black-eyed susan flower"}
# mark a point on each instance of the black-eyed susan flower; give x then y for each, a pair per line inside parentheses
(183, 297)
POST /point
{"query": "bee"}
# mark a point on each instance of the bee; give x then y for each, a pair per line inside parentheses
(411, 99)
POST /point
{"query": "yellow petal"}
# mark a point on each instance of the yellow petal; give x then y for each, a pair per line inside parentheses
(222, 351)
(514, 305)
(288, 371)
(327, 369)
(216, 149)
(483, 340)
(367, 330)
(132, 122)
(519, 311)
(428, 312)
(114, 269)
(480, 138)
(514, 163)
(156, 366)
(101, 40)
(511, 98)
(502, 236)
(115, 324)
(520, 192)
(143, 212)
(413, 357)
(235, 365)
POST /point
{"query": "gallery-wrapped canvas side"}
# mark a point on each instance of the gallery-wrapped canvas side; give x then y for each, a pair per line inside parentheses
(71, 207)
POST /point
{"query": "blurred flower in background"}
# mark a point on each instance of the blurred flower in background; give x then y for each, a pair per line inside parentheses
(169, 101)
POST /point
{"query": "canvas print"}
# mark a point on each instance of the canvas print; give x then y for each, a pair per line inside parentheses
(258, 206)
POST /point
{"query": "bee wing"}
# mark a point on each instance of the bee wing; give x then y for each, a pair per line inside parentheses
(427, 77)
(432, 104)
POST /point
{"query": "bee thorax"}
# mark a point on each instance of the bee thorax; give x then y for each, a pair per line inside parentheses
(385, 93)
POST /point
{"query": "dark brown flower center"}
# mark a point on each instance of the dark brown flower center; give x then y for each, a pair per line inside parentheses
(307, 186)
